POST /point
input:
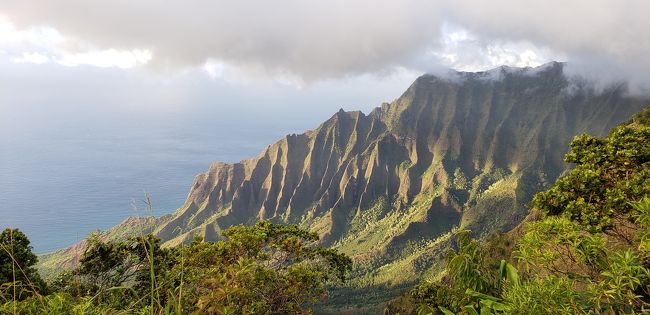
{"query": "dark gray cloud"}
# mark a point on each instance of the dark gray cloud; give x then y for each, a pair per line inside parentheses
(331, 39)
(307, 38)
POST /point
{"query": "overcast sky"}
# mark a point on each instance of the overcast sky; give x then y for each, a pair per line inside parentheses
(172, 52)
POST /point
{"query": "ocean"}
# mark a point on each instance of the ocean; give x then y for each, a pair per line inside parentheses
(79, 145)
(59, 187)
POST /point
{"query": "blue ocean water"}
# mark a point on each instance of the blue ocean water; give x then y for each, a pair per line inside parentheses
(78, 144)
(59, 186)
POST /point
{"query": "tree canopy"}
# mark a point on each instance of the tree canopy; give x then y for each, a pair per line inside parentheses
(261, 269)
(587, 252)
(18, 277)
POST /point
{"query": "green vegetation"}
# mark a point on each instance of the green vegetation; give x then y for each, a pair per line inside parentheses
(396, 188)
(391, 188)
(584, 250)
(261, 269)
(18, 277)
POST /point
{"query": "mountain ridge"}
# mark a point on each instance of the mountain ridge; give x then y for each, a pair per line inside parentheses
(388, 188)
(341, 140)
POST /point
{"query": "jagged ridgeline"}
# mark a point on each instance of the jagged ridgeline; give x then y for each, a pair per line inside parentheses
(468, 150)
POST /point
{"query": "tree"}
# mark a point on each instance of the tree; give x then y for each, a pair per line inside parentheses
(104, 264)
(17, 272)
(610, 173)
(587, 253)
(118, 271)
(263, 269)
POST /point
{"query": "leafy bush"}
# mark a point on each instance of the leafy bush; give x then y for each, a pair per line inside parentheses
(610, 173)
(264, 269)
(18, 277)
(548, 295)
(589, 253)
(261, 269)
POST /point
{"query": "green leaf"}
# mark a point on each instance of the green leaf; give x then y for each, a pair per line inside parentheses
(471, 310)
(445, 311)
(480, 295)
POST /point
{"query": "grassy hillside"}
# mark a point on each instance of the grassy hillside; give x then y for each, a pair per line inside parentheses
(391, 187)
(584, 250)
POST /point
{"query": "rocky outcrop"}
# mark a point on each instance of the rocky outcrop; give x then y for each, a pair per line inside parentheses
(473, 141)
(466, 150)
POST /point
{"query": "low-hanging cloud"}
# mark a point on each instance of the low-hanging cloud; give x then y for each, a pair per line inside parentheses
(605, 39)
(306, 38)
(330, 39)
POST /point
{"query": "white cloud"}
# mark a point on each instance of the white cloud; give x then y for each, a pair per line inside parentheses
(311, 40)
(106, 58)
(316, 40)
(19, 41)
(464, 51)
(214, 69)
(32, 57)
(43, 44)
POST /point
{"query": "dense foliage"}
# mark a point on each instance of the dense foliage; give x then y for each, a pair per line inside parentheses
(260, 269)
(18, 277)
(609, 173)
(586, 251)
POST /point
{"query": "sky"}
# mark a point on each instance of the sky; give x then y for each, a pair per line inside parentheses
(101, 60)
(302, 43)
(221, 79)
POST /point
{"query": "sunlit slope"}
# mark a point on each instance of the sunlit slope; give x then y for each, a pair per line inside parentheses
(465, 150)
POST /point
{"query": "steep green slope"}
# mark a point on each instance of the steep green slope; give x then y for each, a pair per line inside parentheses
(584, 249)
(52, 263)
(468, 150)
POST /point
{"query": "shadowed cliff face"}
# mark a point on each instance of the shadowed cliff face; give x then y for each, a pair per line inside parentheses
(468, 150)
(387, 188)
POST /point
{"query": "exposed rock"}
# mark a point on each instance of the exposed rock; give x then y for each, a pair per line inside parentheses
(466, 151)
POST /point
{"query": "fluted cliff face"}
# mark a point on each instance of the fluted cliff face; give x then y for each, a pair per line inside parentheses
(464, 151)
(467, 150)
(299, 177)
